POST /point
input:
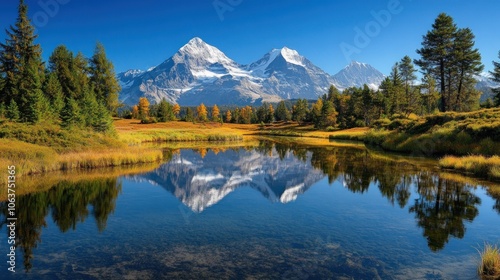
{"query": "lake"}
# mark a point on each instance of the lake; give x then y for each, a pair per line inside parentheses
(275, 210)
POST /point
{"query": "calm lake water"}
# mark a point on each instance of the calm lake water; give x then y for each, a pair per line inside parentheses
(273, 211)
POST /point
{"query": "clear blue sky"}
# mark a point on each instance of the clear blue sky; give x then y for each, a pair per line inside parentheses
(141, 34)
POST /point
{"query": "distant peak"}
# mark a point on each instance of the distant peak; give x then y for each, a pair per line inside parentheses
(196, 40)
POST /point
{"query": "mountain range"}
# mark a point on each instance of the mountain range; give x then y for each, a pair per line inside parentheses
(201, 73)
(202, 181)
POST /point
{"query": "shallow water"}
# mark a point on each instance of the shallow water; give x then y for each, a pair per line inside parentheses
(275, 211)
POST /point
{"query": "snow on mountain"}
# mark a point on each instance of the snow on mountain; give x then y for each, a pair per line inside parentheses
(206, 181)
(485, 84)
(199, 72)
(357, 74)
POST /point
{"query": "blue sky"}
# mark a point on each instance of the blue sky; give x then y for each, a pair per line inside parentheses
(141, 34)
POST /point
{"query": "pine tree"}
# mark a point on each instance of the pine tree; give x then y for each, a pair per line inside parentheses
(202, 113)
(103, 79)
(189, 115)
(22, 67)
(411, 93)
(61, 64)
(430, 96)
(467, 65)
(282, 112)
(448, 55)
(103, 122)
(228, 116)
(300, 110)
(328, 115)
(71, 116)
(496, 78)
(165, 112)
(53, 90)
(215, 114)
(88, 107)
(13, 111)
(80, 73)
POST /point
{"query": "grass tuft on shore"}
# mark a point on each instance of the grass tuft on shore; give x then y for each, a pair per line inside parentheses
(489, 265)
(487, 167)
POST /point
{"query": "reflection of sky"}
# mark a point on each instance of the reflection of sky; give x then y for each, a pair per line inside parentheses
(327, 229)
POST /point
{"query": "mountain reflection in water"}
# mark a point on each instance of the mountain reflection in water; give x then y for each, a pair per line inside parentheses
(443, 207)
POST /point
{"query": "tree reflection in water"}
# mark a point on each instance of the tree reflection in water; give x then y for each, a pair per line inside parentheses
(441, 209)
(68, 203)
(443, 204)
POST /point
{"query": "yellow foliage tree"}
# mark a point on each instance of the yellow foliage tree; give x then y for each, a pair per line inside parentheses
(135, 112)
(215, 114)
(176, 110)
(143, 108)
(228, 116)
(202, 112)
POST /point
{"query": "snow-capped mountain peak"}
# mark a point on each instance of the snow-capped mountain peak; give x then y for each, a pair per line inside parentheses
(199, 50)
(292, 56)
(358, 74)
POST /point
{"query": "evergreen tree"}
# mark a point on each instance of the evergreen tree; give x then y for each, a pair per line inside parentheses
(215, 114)
(436, 54)
(300, 110)
(448, 55)
(22, 68)
(282, 112)
(262, 113)
(71, 116)
(88, 107)
(61, 63)
(467, 65)
(165, 112)
(189, 115)
(430, 96)
(496, 78)
(328, 115)
(411, 93)
(13, 111)
(103, 79)
(103, 122)
(53, 90)
(80, 73)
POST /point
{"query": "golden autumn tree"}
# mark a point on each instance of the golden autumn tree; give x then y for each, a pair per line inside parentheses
(202, 112)
(228, 116)
(135, 112)
(215, 114)
(176, 110)
(143, 108)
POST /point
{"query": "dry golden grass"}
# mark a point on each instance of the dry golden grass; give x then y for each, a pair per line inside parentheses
(478, 165)
(489, 265)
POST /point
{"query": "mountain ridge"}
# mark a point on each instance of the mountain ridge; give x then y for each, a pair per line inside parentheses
(201, 73)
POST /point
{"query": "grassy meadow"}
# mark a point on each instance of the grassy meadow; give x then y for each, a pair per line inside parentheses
(471, 141)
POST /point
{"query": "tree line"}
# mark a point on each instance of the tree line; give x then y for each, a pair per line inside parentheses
(71, 90)
(449, 64)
